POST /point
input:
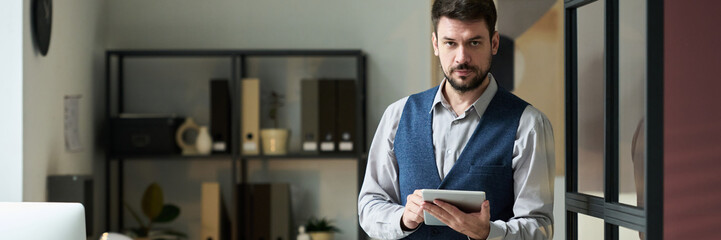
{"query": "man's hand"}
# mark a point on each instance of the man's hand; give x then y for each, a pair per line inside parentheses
(475, 225)
(413, 213)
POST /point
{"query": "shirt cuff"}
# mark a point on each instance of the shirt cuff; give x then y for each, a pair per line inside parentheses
(497, 231)
(397, 215)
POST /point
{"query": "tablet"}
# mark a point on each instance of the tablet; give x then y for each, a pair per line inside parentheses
(466, 201)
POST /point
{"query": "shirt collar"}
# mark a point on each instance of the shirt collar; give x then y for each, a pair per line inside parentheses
(481, 103)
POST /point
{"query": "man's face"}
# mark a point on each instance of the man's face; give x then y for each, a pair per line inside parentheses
(464, 50)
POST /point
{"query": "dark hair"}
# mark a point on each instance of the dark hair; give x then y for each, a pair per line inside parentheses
(465, 10)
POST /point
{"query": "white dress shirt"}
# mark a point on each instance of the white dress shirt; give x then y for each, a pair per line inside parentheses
(533, 168)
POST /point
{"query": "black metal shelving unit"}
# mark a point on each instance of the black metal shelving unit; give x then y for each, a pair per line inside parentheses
(114, 95)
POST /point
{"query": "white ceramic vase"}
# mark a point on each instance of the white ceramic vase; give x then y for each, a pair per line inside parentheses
(204, 143)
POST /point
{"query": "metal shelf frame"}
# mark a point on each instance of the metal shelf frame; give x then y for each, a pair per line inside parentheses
(114, 93)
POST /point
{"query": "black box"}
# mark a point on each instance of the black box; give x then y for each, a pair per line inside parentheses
(73, 188)
(144, 135)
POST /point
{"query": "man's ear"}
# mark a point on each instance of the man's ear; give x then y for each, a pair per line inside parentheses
(495, 41)
(434, 41)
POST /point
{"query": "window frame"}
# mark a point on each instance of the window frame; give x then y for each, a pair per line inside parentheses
(648, 219)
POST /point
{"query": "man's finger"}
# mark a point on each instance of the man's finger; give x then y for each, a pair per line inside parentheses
(416, 197)
(436, 211)
(414, 208)
(453, 210)
(486, 209)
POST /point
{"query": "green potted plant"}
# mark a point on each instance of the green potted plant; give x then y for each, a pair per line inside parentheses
(320, 228)
(275, 140)
(156, 211)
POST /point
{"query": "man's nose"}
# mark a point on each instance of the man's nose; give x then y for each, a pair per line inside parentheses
(463, 55)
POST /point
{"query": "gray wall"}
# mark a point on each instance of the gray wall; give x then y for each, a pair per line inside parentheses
(394, 34)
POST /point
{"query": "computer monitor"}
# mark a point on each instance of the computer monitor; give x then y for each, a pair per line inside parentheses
(42, 221)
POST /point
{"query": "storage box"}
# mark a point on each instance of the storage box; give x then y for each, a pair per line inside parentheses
(144, 135)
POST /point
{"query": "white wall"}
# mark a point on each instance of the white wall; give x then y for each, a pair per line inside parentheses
(11, 101)
(72, 66)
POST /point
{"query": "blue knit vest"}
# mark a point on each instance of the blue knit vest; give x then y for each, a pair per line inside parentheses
(485, 164)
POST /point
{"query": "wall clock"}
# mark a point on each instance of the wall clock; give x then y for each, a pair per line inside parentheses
(42, 19)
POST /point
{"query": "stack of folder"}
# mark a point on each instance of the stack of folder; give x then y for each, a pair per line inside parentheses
(328, 121)
(328, 116)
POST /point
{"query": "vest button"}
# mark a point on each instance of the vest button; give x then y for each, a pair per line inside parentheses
(434, 231)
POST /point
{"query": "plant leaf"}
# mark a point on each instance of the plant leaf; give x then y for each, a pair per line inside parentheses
(152, 201)
(169, 213)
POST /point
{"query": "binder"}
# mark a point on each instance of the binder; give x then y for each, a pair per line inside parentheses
(327, 115)
(309, 115)
(213, 219)
(220, 114)
(346, 115)
(266, 211)
(260, 210)
(280, 221)
(250, 114)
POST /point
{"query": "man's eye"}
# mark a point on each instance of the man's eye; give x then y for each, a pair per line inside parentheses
(475, 43)
(450, 44)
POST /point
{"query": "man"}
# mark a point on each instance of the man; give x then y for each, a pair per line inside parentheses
(466, 134)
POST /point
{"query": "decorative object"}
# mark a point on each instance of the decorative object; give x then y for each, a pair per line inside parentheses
(320, 229)
(42, 22)
(186, 137)
(114, 236)
(302, 235)
(204, 144)
(275, 140)
(156, 212)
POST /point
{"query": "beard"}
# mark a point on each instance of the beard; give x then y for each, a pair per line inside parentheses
(476, 81)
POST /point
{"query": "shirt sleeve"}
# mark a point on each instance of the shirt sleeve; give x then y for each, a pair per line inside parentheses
(533, 175)
(379, 209)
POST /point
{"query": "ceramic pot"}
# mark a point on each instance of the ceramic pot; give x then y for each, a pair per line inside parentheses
(204, 143)
(187, 144)
(275, 141)
(321, 235)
